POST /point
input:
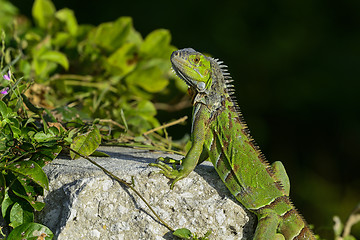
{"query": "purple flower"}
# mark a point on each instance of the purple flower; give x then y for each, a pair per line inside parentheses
(4, 91)
(7, 76)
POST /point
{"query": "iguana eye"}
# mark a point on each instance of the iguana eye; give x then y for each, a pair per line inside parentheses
(196, 59)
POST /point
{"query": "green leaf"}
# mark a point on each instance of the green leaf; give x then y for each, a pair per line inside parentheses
(43, 137)
(55, 56)
(45, 155)
(43, 11)
(31, 231)
(61, 38)
(2, 187)
(135, 37)
(182, 233)
(6, 204)
(111, 35)
(20, 213)
(43, 68)
(99, 154)
(123, 60)
(30, 170)
(151, 79)
(142, 116)
(3, 109)
(86, 143)
(157, 44)
(23, 189)
(146, 108)
(54, 131)
(15, 131)
(68, 17)
(185, 233)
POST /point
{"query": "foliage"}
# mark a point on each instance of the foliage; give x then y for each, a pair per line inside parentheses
(64, 84)
(31, 231)
(107, 72)
(343, 232)
(27, 144)
(185, 233)
(25, 148)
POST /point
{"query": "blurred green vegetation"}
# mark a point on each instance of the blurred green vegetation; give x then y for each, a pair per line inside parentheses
(295, 65)
(109, 71)
(67, 84)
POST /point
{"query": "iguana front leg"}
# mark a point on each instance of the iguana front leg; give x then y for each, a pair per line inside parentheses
(203, 157)
(195, 155)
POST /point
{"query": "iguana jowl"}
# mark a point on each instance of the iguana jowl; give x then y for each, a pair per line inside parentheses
(220, 134)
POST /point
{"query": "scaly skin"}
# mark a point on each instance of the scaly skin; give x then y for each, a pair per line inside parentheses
(220, 134)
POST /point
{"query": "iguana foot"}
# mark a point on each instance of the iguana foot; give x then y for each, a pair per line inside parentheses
(169, 160)
(169, 172)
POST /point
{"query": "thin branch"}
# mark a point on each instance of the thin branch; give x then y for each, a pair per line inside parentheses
(112, 122)
(166, 125)
(352, 220)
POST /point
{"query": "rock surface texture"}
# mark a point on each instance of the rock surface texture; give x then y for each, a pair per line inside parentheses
(85, 203)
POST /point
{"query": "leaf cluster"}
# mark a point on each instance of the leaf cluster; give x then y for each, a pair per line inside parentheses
(30, 138)
(107, 71)
(343, 231)
(65, 84)
(25, 148)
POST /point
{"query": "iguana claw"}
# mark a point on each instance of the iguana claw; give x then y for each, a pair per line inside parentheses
(169, 160)
(167, 171)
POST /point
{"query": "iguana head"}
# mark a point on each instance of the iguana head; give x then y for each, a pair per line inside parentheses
(193, 67)
(208, 80)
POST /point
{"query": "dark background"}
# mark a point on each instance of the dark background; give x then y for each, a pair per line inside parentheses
(296, 66)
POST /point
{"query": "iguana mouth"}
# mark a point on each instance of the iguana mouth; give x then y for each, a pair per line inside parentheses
(183, 76)
(178, 63)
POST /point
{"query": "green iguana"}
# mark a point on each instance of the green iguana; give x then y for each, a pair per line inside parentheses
(220, 134)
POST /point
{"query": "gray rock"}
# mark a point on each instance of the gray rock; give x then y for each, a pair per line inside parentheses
(85, 203)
